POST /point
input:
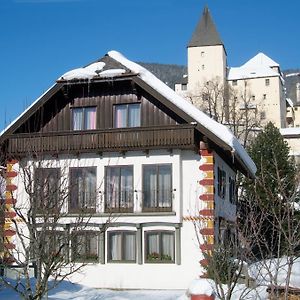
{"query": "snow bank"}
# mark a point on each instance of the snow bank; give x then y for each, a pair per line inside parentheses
(266, 271)
(201, 287)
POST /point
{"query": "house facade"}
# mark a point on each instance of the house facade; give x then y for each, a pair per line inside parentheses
(151, 176)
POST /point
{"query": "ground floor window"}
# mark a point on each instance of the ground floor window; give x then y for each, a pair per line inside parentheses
(121, 246)
(85, 246)
(159, 247)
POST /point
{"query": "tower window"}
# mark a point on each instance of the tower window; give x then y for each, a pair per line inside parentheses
(202, 53)
(267, 82)
(203, 67)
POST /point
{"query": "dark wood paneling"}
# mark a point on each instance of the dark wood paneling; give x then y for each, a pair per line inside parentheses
(125, 139)
(104, 96)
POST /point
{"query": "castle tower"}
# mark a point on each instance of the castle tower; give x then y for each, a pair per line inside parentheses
(206, 54)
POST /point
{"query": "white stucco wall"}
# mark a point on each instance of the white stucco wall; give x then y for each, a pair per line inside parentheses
(186, 191)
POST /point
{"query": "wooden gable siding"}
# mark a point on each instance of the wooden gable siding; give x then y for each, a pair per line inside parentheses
(100, 96)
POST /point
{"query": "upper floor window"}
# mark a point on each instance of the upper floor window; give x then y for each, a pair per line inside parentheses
(157, 187)
(47, 189)
(232, 190)
(119, 188)
(184, 87)
(121, 246)
(83, 189)
(53, 243)
(221, 183)
(159, 247)
(127, 115)
(267, 81)
(85, 246)
(84, 118)
(234, 82)
(202, 53)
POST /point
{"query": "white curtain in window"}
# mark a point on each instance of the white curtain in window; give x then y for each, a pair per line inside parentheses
(164, 182)
(90, 189)
(150, 186)
(167, 245)
(77, 119)
(134, 115)
(115, 246)
(129, 246)
(92, 245)
(126, 187)
(153, 244)
(112, 187)
(120, 116)
(90, 118)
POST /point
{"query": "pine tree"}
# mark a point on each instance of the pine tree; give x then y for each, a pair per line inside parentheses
(264, 201)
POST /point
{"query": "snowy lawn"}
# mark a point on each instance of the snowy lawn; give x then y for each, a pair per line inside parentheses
(67, 290)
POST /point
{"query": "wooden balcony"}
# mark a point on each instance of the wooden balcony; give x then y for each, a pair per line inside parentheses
(111, 140)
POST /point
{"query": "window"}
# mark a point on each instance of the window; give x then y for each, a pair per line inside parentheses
(85, 246)
(159, 247)
(83, 189)
(184, 87)
(121, 246)
(54, 244)
(253, 98)
(202, 53)
(264, 96)
(84, 118)
(267, 82)
(127, 115)
(262, 115)
(221, 183)
(203, 67)
(234, 82)
(119, 188)
(232, 190)
(47, 187)
(157, 187)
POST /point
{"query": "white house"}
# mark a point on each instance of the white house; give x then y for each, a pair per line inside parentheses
(128, 149)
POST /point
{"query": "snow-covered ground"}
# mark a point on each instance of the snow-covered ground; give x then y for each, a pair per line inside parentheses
(260, 271)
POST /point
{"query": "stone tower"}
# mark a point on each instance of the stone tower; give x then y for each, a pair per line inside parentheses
(206, 54)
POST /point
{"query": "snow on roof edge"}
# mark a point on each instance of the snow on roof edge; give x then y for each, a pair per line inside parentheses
(219, 130)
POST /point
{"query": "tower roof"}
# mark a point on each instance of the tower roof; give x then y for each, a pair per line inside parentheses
(205, 33)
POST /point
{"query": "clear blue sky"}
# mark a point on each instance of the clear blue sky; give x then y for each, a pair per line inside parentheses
(42, 39)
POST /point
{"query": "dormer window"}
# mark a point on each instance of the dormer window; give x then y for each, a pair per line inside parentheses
(84, 118)
(127, 115)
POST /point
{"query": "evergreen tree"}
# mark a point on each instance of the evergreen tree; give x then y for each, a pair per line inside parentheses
(264, 200)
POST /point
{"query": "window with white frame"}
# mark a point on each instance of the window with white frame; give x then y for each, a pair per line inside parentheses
(47, 189)
(84, 118)
(157, 187)
(119, 188)
(159, 247)
(84, 246)
(82, 189)
(121, 246)
(127, 115)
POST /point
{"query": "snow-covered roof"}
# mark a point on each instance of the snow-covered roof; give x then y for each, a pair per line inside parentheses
(259, 66)
(220, 134)
(218, 130)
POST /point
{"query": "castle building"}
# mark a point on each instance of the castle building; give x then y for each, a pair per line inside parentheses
(258, 84)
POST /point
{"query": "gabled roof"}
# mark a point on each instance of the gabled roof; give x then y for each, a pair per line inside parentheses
(205, 33)
(122, 68)
(259, 66)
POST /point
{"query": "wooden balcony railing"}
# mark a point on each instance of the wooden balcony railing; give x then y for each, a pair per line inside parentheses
(116, 139)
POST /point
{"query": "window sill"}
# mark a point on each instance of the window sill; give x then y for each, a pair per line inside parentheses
(123, 214)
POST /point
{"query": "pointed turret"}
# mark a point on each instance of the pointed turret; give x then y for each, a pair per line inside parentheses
(205, 33)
